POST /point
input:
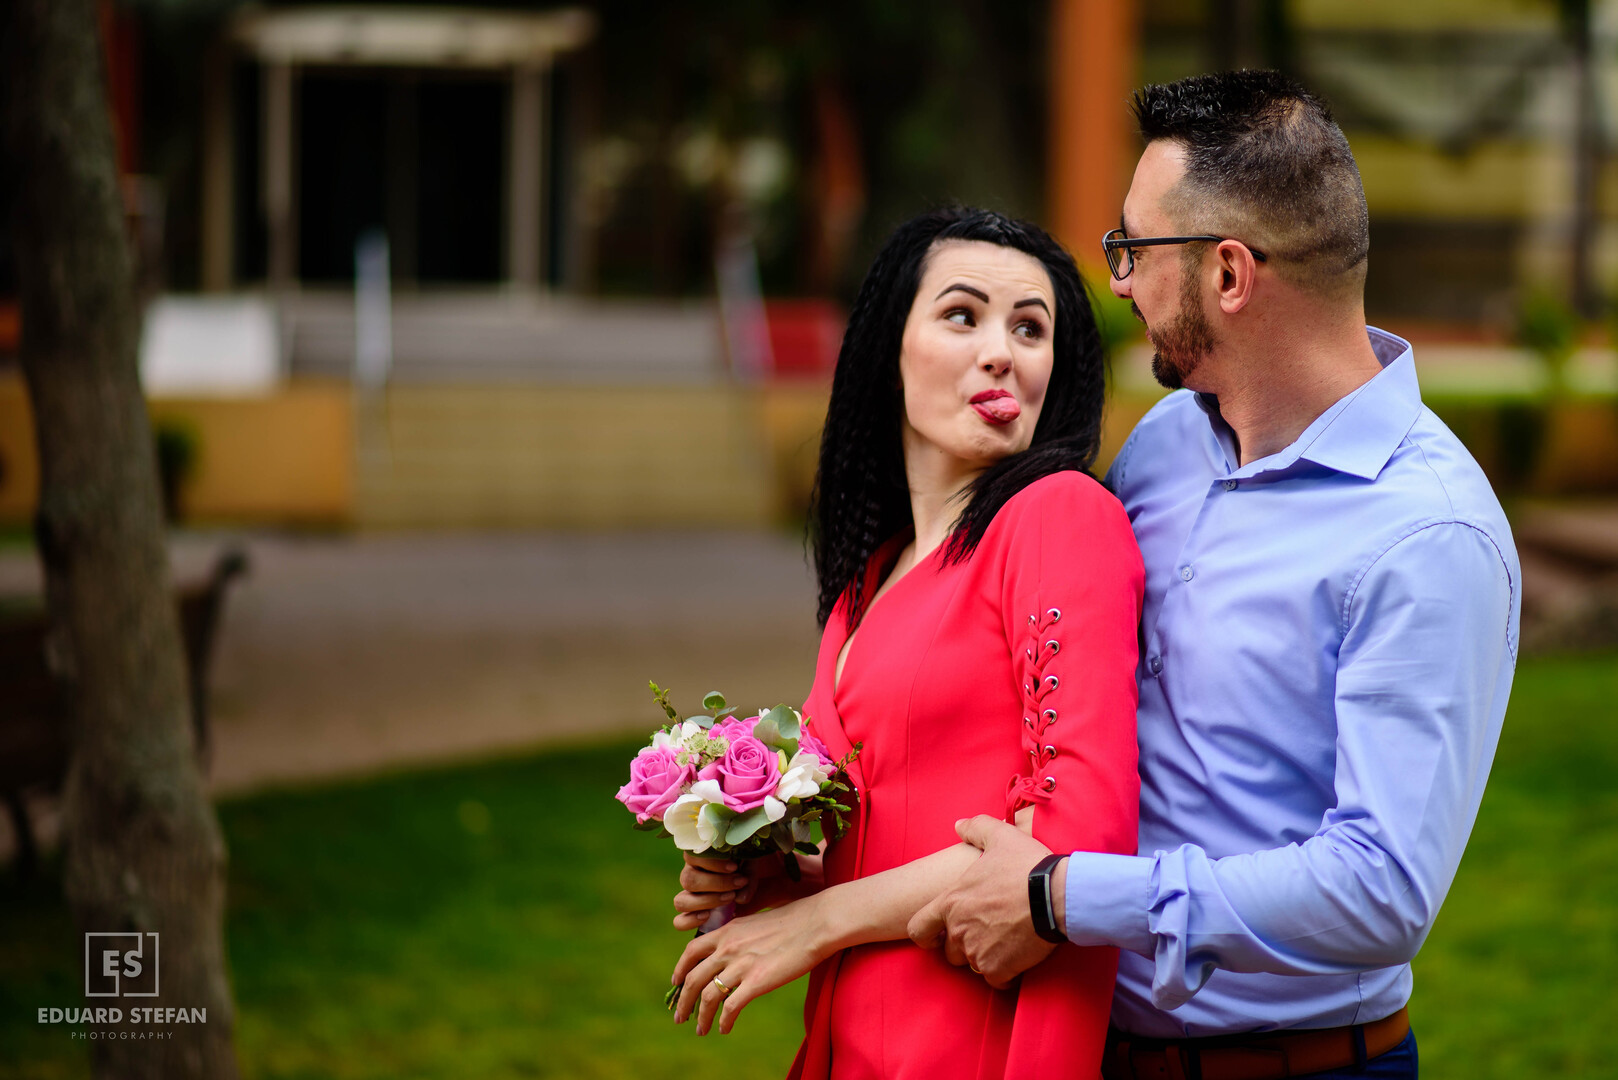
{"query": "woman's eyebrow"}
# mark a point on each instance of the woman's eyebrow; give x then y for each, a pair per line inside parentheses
(1031, 302)
(981, 295)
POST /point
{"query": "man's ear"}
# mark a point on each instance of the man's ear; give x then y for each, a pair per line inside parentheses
(1238, 275)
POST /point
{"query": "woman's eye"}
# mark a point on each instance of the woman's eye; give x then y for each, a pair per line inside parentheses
(1030, 329)
(959, 316)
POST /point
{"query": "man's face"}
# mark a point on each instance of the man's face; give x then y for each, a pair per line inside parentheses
(1165, 288)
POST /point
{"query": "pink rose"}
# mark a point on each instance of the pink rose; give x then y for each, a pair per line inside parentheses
(732, 728)
(748, 774)
(808, 742)
(656, 779)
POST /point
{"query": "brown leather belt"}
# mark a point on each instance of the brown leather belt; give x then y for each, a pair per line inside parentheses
(1259, 1056)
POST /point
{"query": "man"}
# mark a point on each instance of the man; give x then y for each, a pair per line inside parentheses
(1328, 637)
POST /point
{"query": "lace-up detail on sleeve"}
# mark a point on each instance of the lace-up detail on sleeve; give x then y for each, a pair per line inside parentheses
(1039, 674)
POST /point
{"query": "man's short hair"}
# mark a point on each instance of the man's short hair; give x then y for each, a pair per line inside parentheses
(1266, 164)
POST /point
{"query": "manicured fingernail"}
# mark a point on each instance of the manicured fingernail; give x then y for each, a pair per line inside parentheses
(738, 882)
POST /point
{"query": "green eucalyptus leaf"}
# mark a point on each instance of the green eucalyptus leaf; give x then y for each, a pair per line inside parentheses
(702, 721)
(806, 848)
(713, 699)
(718, 816)
(787, 721)
(744, 826)
(766, 732)
(781, 833)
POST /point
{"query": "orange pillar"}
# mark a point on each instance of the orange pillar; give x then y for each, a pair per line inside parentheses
(1094, 66)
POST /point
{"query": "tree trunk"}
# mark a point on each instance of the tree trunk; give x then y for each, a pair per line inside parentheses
(143, 850)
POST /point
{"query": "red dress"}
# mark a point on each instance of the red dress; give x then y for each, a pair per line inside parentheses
(981, 687)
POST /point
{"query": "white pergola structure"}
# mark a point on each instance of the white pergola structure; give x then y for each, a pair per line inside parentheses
(523, 44)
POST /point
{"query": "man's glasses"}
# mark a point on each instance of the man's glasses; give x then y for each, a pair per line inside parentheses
(1120, 252)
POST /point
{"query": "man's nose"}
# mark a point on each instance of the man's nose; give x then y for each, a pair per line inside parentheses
(1121, 289)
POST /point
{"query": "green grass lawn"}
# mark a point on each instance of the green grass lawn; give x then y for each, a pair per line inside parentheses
(502, 920)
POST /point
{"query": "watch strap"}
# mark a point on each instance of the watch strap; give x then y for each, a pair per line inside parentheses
(1042, 901)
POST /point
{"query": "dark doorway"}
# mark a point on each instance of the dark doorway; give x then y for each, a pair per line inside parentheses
(462, 154)
(417, 154)
(342, 166)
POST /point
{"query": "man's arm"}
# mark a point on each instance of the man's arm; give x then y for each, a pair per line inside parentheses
(1422, 680)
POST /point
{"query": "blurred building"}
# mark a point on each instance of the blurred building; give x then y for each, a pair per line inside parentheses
(527, 263)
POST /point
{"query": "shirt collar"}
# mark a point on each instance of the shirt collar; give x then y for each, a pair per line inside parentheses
(1361, 430)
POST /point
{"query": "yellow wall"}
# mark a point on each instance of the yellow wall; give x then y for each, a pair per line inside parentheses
(531, 456)
(283, 458)
(534, 456)
(19, 471)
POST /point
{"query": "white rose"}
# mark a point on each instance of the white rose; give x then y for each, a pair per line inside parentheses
(802, 777)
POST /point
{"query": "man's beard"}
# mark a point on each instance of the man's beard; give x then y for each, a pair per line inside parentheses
(1184, 340)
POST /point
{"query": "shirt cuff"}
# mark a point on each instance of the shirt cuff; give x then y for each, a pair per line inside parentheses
(1106, 900)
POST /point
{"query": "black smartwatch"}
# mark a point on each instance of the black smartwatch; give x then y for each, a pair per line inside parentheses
(1041, 902)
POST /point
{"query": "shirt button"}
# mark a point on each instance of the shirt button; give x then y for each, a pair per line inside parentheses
(1230, 485)
(1186, 573)
(1156, 664)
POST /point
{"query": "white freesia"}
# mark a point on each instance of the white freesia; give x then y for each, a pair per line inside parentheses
(681, 822)
(802, 777)
(708, 791)
(693, 830)
(774, 809)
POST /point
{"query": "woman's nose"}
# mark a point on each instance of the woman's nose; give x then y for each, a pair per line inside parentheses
(996, 362)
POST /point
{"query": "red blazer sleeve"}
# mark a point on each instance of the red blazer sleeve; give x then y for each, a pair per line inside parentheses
(1072, 590)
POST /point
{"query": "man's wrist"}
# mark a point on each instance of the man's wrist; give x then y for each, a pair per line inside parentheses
(1059, 894)
(1044, 902)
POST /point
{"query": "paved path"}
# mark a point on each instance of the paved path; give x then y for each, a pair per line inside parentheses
(340, 656)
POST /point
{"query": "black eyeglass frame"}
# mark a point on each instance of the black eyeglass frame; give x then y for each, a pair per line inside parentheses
(1114, 239)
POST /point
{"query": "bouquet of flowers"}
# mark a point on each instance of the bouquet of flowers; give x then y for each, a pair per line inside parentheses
(738, 787)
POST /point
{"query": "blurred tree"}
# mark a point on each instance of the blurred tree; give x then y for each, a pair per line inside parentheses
(143, 850)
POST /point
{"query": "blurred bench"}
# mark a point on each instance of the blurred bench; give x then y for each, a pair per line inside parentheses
(33, 717)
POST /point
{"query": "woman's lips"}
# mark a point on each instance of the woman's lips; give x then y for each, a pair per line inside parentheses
(996, 406)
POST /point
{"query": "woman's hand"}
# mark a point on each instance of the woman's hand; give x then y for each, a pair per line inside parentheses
(709, 883)
(713, 882)
(725, 969)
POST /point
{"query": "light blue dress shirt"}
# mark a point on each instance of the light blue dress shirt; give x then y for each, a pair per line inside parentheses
(1328, 642)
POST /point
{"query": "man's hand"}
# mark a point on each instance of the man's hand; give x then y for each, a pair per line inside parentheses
(983, 919)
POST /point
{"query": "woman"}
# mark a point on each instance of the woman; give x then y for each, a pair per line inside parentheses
(980, 594)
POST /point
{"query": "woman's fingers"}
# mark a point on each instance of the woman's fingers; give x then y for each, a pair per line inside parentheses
(715, 996)
(696, 951)
(701, 901)
(693, 879)
(733, 1006)
(711, 864)
(697, 983)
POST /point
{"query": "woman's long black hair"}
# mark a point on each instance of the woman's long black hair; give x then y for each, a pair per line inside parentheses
(861, 495)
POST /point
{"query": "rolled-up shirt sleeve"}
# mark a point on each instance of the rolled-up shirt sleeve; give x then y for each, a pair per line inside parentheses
(1421, 682)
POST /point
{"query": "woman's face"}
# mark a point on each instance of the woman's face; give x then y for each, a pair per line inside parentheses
(976, 356)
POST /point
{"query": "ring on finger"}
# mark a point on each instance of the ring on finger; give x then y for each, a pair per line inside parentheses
(722, 986)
